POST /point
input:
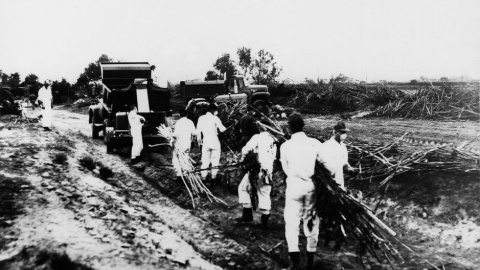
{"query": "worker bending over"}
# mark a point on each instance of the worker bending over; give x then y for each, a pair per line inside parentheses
(182, 135)
(298, 156)
(208, 127)
(264, 146)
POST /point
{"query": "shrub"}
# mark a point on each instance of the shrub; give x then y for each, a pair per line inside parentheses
(60, 158)
(87, 162)
(105, 172)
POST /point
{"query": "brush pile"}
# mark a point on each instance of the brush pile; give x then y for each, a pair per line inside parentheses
(443, 102)
(388, 161)
(230, 113)
(190, 178)
(354, 219)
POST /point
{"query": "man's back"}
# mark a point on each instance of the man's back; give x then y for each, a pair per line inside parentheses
(298, 156)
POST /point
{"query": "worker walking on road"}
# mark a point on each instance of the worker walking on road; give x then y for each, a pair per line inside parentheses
(263, 145)
(183, 133)
(298, 157)
(208, 127)
(45, 100)
(135, 122)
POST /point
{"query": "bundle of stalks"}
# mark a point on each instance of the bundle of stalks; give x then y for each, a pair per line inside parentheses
(354, 219)
(435, 102)
(190, 178)
(229, 113)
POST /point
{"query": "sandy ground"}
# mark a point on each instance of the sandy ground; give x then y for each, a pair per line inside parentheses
(140, 218)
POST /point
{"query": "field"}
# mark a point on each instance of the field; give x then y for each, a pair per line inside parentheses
(59, 213)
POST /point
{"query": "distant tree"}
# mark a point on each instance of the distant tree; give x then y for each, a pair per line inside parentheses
(4, 78)
(413, 81)
(245, 59)
(224, 64)
(31, 79)
(92, 72)
(13, 80)
(61, 89)
(211, 76)
(264, 69)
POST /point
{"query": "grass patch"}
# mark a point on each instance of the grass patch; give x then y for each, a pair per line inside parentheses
(60, 158)
(87, 162)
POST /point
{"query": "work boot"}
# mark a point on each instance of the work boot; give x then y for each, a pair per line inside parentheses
(295, 260)
(310, 256)
(247, 216)
(264, 220)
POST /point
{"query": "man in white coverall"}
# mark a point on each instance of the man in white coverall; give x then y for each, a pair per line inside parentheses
(183, 133)
(45, 98)
(334, 155)
(208, 127)
(135, 122)
(298, 156)
(263, 145)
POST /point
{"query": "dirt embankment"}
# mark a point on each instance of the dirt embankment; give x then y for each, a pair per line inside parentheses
(124, 222)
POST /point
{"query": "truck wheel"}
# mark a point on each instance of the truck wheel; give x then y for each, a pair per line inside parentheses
(107, 123)
(110, 148)
(94, 131)
(261, 106)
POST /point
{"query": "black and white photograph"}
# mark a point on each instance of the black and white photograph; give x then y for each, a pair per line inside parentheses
(268, 134)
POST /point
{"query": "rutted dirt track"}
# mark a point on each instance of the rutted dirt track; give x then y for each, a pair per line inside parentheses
(125, 221)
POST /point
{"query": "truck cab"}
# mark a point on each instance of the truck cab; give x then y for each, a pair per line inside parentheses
(233, 88)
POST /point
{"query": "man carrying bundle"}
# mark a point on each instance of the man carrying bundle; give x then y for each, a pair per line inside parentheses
(264, 148)
(208, 127)
(298, 156)
(334, 157)
(184, 131)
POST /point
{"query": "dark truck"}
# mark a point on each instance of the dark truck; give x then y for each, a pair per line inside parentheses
(231, 89)
(124, 84)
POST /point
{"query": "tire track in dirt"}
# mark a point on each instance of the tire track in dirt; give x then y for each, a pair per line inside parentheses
(71, 210)
(201, 234)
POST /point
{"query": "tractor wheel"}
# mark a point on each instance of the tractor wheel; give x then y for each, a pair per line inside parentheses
(94, 131)
(261, 106)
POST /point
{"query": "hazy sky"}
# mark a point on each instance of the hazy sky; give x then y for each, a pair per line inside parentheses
(377, 40)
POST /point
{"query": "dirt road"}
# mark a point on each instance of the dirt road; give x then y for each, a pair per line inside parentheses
(140, 218)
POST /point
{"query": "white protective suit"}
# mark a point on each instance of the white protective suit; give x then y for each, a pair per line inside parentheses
(136, 132)
(183, 132)
(208, 125)
(334, 156)
(45, 96)
(264, 145)
(298, 157)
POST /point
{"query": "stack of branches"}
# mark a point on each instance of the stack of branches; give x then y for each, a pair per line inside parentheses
(435, 102)
(190, 178)
(353, 218)
(230, 113)
(388, 161)
(343, 97)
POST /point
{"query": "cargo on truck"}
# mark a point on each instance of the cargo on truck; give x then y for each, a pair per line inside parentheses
(125, 84)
